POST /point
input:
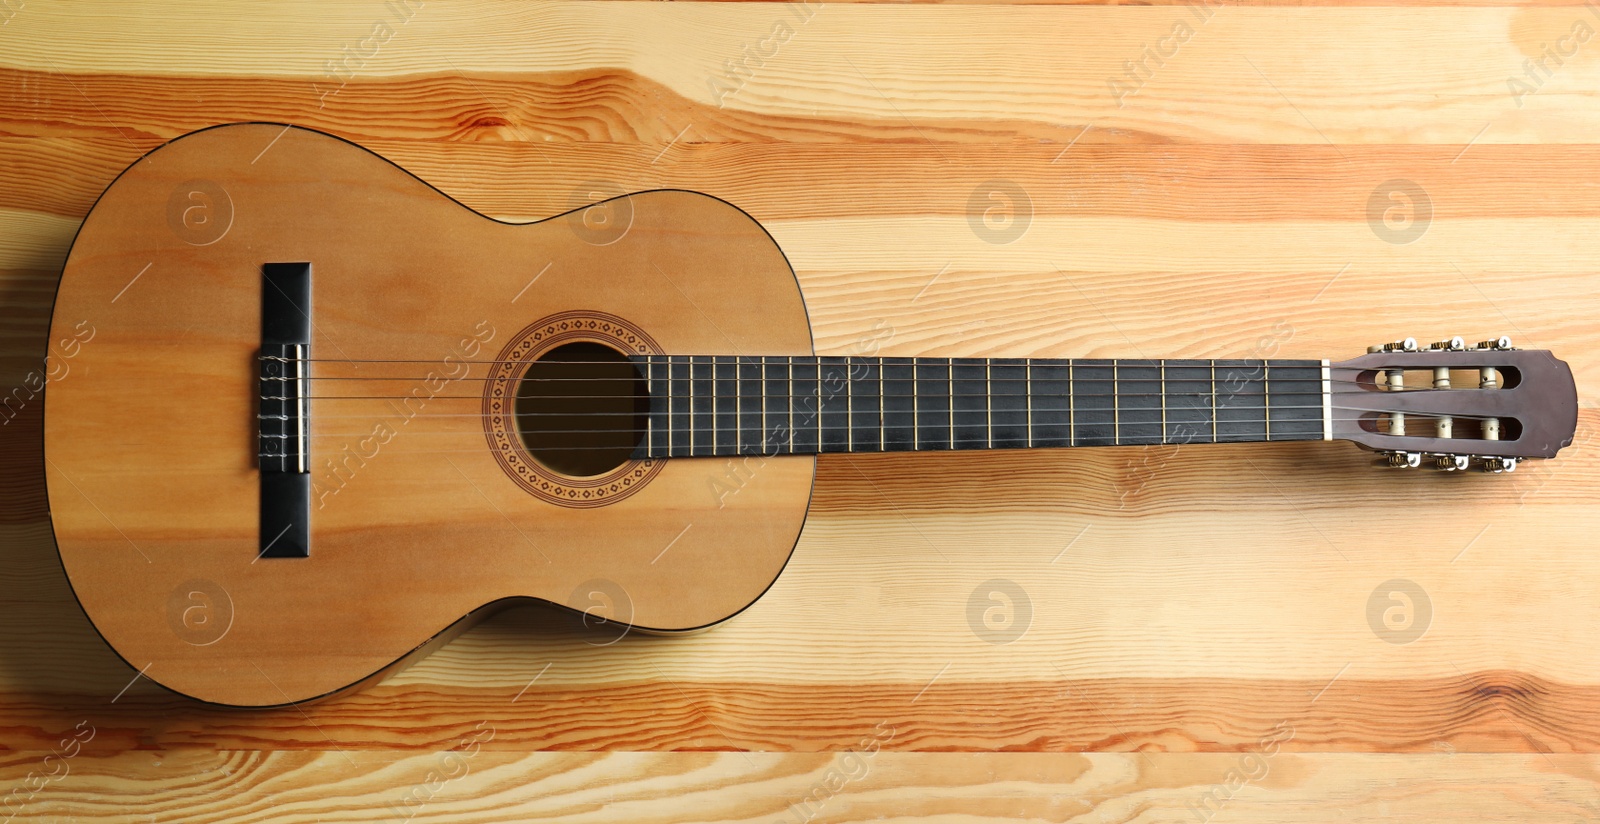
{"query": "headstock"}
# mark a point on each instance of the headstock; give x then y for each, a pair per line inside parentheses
(1454, 406)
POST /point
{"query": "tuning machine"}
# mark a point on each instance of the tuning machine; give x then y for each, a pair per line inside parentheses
(1502, 343)
(1497, 465)
(1446, 462)
(1405, 345)
(1400, 459)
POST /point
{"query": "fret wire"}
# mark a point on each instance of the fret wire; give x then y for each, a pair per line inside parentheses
(763, 404)
(650, 420)
(1327, 402)
(849, 409)
(1162, 364)
(1266, 399)
(791, 404)
(818, 407)
(1213, 401)
(1028, 367)
(1072, 406)
(738, 405)
(670, 395)
(881, 422)
(950, 378)
(714, 396)
(1116, 419)
(988, 393)
(916, 403)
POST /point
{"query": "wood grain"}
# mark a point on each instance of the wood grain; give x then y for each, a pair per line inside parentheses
(477, 785)
(1183, 604)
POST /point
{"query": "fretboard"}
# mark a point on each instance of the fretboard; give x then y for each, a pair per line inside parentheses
(713, 406)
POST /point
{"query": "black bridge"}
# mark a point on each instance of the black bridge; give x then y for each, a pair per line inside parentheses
(284, 427)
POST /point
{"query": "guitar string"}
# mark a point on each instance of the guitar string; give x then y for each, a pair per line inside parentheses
(690, 409)
(780, 447)
(1410, 415)
(901, 360)
(1118, 425)
(1018, 379)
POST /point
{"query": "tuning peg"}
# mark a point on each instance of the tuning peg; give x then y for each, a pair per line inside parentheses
(1403, 460)
(1455, 344)
(1497, 465)
(1502, 342)
(1452, 463)
(1407, 345)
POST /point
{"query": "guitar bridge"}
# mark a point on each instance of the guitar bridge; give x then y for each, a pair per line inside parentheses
(283, 446)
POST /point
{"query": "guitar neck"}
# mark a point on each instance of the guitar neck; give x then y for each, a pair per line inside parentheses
(731, 406)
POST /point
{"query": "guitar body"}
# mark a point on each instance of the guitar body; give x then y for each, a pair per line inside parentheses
(419, 520)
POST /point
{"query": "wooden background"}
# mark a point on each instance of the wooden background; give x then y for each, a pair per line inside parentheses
(1204, 634)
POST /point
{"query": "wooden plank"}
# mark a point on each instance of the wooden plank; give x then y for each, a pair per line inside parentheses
(1281, 75)
(470, 783)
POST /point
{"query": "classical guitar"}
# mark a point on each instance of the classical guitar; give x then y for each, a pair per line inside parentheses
(309, 417)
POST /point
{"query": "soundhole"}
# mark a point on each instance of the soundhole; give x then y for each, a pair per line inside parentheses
(581, 409)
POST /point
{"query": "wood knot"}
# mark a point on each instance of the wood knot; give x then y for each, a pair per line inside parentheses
(1505, 687)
